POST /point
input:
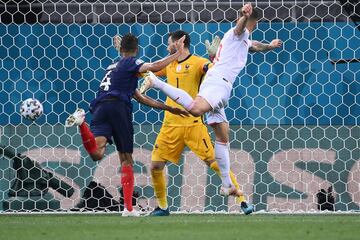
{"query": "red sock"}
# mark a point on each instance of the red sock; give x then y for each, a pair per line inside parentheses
(88, 138)
(127, 182)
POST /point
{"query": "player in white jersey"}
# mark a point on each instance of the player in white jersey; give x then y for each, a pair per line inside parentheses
(215, 91)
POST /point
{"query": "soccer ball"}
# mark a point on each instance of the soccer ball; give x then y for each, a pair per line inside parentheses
(31, 109)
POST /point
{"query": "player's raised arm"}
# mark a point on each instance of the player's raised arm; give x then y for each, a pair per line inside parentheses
(155, 67)
(246, 11)
(261, 47)
(162, 63)
(143, 99)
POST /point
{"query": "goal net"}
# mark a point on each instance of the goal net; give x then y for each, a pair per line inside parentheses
(294, 113)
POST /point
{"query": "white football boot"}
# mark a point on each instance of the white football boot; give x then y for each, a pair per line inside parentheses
(133, 213)
(75, 119)
(148, 82)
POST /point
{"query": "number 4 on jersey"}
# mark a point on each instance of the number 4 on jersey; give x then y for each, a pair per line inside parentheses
(105, 83)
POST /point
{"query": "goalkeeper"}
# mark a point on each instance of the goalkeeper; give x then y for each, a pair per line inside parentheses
(177, 132)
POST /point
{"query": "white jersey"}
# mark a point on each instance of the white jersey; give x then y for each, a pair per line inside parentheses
(231, 56)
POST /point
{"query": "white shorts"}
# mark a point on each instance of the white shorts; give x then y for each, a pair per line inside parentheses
(216, 116)
(216, 91)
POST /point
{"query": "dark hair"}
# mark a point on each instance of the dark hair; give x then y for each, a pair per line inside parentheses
(178, 34)
(129, 43)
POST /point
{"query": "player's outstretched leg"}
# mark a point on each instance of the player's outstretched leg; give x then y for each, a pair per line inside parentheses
(246, 207)
(223, 159)
(176, 94)
(88, 139)
(222, 156)
(127, 183)
(159, 184)
(229, 185)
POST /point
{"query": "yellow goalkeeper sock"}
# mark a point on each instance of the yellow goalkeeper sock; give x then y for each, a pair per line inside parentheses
(159, 184)
(214, 166)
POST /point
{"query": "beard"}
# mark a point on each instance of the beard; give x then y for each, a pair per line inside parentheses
(172, 50)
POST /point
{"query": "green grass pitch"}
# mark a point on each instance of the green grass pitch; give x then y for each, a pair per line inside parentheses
(204, 227)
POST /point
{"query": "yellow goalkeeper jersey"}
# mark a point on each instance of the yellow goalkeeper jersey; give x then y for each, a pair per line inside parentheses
(187, 75)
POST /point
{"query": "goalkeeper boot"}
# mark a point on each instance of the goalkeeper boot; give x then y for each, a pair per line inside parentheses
(247, 208)
(160, 212)
(133, 213)
(148, 82)
(77, 118)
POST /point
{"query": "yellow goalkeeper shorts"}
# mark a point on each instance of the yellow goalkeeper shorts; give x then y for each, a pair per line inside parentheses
(171, 141)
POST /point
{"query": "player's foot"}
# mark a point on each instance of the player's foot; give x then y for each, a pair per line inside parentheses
(133, 213)
(160, 212)
(230, 191)
(247, 208)
(77, 118)
(148, 82)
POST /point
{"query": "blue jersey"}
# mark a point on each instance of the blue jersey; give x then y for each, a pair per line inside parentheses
(120, 81)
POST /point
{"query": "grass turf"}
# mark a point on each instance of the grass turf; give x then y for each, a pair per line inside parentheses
(204, 227)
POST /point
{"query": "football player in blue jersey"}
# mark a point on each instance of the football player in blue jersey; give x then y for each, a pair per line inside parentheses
(112, 111)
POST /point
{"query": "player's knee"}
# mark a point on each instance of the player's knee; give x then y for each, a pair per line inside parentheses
(157, 166)
(126, 159)
(221, 132)
(222, 140)
(199, 107)
(196, 112)
(97, 156)
(127, 162)
(209, 162)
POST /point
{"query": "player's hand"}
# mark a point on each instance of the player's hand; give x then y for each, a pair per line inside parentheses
(246, 10)
(117, 42)
(276, 43)
(180, 44)
(212, 47)
(179, 111)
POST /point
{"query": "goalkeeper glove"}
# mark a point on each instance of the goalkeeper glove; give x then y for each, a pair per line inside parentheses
(213, 47)
(117, 42)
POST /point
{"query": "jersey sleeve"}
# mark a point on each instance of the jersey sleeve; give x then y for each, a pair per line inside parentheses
(204, 64)
(161, 73)
(134, 64)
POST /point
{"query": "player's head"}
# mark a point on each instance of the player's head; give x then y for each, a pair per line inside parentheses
(129, 44)
(174, 36)
(253, 19)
